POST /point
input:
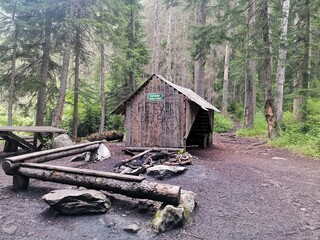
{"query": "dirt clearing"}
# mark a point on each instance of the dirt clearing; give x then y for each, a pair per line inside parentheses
(245, 191)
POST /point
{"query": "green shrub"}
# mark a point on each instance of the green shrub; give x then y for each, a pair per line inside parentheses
(259, 129)
(301, 137)
(222, 124)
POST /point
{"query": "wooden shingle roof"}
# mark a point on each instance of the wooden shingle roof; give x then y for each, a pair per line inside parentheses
(191, 95)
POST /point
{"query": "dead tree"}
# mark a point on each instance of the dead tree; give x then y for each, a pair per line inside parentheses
(271, 119)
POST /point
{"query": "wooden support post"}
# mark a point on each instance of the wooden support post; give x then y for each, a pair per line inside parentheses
(20, 183)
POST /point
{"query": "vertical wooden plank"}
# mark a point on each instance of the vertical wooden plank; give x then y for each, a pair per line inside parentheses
(128, 125)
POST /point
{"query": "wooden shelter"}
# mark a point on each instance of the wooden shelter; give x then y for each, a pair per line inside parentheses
(164, 115)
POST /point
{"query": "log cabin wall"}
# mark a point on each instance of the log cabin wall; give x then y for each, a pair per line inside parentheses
(156, 116)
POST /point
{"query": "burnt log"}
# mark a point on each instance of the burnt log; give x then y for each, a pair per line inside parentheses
(99, 180)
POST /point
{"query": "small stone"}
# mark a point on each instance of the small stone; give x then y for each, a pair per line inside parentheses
(30, 233)
(318, 201)
(132, 228)
(9, 229)
(278, 158)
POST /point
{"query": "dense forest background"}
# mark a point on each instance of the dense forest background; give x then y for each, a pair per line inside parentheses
(68, 63)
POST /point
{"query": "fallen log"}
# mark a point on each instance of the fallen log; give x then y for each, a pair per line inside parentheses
(12, 163)
(53, 151)
(96, 180)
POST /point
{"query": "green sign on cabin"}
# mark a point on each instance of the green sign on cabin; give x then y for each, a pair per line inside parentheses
(155, 97)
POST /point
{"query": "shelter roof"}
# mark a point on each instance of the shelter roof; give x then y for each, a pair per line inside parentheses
(191, 95)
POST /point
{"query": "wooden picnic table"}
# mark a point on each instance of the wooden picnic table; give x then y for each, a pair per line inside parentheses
(13, 141)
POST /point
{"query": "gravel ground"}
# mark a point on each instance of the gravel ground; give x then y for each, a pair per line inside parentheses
(244, 192)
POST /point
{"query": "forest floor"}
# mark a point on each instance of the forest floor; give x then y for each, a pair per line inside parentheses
(245, 191)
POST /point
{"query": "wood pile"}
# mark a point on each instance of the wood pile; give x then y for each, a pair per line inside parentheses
(138, 164)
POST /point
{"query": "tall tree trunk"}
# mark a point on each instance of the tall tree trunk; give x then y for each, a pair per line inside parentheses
(44, 71)
(306, 61)
(76, 84)
(201, 56)
(266, 61)
(64, 70)
(225, 81)
(282, 59)
(249, 105)
(297, 84)
(169, 44)
(13, 68)
(156, 39)
(132, 40)
(103, 96)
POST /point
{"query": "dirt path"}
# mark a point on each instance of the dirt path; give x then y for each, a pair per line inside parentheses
(244, 192)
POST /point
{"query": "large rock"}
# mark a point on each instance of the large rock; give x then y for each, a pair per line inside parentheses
(62, 140)
(167, 218)
(188, 201)
(103, 152)
(71, 201)
(161, 171)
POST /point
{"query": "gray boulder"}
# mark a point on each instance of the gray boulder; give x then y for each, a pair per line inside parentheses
(161, 171)
(188, 202)
(167, 218)
(62, 140)
(103, 152)
(170, 216)
(71, 201)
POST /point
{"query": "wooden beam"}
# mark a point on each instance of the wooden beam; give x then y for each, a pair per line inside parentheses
(145, 190)
(51, 151)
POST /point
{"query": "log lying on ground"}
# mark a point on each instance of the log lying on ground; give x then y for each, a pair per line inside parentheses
(131, 186)
(11, 163)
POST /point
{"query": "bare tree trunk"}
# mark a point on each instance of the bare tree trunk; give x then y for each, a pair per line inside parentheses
(132, 39)
(282, 59)
(249, 107)
(297, 84)
(64, 70)
(201, 57)
(225, 81)
(44, 71)
(13, 68)
(156, 39)
(76, 85)
(169, 44)
(306, 61)
(103, 94)
(266, 61)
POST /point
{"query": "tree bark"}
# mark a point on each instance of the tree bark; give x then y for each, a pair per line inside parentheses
(225, 81)
(13, 68)
(169, 44)
(156, 39)
(76, 85)
(282, 60)
(201, 56)
(41, 101)
(266, 61)
(249, 108)
(132, 40)
(306, 61)
(64, 70)
(103, 94)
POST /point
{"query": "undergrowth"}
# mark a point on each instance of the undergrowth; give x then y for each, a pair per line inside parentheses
(222, 124)
(259, 129)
